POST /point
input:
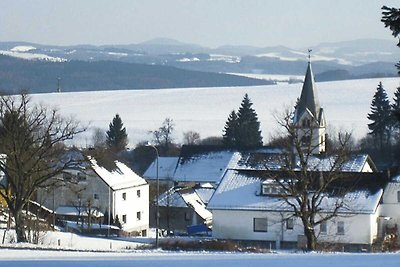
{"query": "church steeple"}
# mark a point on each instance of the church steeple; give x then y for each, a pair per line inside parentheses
(309, 116)
(309, 98)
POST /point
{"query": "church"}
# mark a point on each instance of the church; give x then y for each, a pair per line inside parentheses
(249, 205)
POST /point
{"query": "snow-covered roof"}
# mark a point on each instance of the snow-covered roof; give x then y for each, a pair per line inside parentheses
(205, 167)
(74, 211)
(119, 178)
(241, 190)
(166, 168)
(195, 197)
(276, 161)
(193, 201)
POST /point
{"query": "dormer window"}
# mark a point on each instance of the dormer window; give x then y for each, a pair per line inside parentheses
(271, 189)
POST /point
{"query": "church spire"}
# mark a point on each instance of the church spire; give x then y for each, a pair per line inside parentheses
(309, 118)
(309, 98)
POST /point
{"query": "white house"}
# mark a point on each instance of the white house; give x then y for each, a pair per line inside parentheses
(245, 206)
(97, 191)
(390, 207)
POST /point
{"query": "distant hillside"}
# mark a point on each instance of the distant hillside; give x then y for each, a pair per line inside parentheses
(41, 76)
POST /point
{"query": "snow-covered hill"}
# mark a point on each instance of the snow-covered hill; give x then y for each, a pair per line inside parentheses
(29, 53)
(205, 110)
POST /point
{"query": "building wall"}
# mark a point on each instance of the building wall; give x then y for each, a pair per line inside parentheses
(179, 218)
(93, 191)
(132, 207)
(232, 224)
(390, 207)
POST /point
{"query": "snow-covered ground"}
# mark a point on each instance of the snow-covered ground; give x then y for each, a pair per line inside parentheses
(205, 110)
(67, 249)
(12, 257)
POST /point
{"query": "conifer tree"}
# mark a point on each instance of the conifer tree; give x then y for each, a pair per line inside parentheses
(117, 139)
(396, 111)
(380, 117)
(249, 134)
(242, 129)
(230, 130)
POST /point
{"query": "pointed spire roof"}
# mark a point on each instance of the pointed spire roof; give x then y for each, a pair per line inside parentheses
(309, 98)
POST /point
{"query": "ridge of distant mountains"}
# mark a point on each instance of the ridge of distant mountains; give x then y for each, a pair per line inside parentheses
(331, 61)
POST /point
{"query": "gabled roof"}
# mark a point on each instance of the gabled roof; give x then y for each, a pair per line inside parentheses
(166, 168)
(276, 160)
(119, 178)
(202, 165)
(241, 190)
(195, 197)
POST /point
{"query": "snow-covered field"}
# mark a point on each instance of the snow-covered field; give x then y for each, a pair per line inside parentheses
(67, 249)
(205, 110)
(12, 257)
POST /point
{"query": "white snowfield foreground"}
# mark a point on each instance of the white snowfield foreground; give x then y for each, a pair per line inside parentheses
(32, 258)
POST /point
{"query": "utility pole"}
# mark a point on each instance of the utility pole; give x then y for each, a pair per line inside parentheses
(58, 85)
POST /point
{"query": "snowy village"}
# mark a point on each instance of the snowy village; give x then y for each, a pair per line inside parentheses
(171, 154)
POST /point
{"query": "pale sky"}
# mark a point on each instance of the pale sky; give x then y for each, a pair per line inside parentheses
(293, 23)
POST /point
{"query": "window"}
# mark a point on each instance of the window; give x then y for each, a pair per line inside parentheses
(138, 215)
(124, 196)
(260, 225)
(289, 224)
(272, 189)
(96, 196)
(398, 196)
(323, 228)
(124, 218)
(138, 193)
(340, 228)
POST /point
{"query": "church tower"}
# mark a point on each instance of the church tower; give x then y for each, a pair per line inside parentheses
(309, 119)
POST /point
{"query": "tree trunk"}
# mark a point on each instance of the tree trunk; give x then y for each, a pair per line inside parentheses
(311, 238)
(19, 225)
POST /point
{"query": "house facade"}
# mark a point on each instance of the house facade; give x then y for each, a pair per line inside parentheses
(246, 207)
(94, 193)
(248, 204)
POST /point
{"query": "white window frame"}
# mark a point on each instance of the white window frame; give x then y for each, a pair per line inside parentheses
(260, 225)
(323, 227)
(340, 228)
(289, 224)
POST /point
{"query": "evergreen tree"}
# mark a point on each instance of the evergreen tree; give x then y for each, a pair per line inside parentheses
(249, 133)
(230, 130)
(242, 129)
(117, 139)
(395, 115)
(380, 117)
(391, 19)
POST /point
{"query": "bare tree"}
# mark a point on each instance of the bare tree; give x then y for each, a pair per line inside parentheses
(191, 138)
(303, 186)
(32, 140)
(163, 136)
(98, 138)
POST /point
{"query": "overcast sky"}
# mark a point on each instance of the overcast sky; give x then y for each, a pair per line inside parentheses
(293, 23)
